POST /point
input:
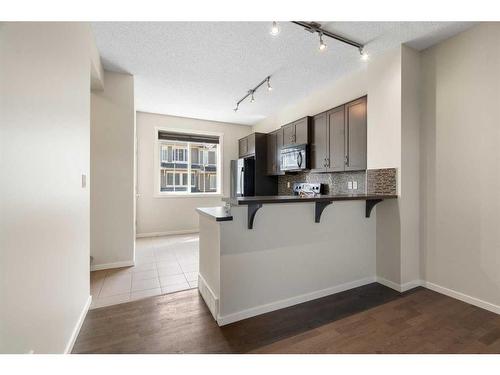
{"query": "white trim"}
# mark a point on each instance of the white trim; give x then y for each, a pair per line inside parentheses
(463, 297)
(78, 326)
(211, 300)
(262, 309)
(399, 287)
(105, 266)
(388, 283)
(167, 233)
(411, 284)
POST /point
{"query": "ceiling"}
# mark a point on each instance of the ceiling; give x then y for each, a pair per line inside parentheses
(200, 69)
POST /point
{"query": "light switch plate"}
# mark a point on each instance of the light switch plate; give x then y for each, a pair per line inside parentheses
(349, 185)
(84, 181)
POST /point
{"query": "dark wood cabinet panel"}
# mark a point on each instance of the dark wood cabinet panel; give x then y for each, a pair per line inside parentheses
(279, 146)
(302, 131)
(251, 144)
(319, 143)
(242, 147)
(271, 153)
(336, 139)
(274, 144)
(356, 119)
(296, 133)
(289, 134)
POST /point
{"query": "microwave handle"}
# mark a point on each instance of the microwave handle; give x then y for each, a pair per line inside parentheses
(299, 159)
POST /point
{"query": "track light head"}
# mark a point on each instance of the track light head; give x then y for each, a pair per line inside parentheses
(269, 87)
(252, 98)
(364, 55)
(236, 108)
(275, 29)
(322, 45)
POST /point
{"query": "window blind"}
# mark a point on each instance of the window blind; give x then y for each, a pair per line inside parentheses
(183, 137)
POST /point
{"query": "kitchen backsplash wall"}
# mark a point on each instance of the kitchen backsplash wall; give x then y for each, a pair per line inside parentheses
(381, 181)
(335, 183)
(373, 181)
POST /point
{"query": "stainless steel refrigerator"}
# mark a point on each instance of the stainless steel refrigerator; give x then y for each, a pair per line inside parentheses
(243, 177)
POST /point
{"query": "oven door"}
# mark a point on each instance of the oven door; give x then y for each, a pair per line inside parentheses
(293, 159)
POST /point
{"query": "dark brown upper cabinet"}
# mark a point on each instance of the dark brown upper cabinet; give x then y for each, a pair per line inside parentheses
(246, 146)
(356, 120)
(338, 138)
(297, 132)
(274, 144)
(319, 143)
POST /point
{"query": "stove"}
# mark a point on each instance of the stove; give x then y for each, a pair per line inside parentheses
(307, 188)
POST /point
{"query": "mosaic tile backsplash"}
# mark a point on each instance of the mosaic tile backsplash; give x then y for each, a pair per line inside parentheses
(373, 181)
(335, 183)
(381, 181)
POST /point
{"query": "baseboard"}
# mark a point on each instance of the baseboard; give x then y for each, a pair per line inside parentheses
(411, 284)
(399, 287)
(78, 326)
(254, 311)
(211, 300)
(463, 297)
(167, 233)
(105, 266)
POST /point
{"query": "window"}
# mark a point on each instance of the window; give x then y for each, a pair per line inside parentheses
(188, 163)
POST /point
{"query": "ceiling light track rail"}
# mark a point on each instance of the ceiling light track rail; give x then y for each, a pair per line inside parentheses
(314, 27)
(251, 92)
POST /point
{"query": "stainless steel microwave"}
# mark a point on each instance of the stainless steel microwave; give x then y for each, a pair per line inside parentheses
(294, 158)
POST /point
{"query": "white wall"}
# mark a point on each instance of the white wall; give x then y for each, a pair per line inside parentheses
(112, 190)
(44, 222)
(461, 163)
(288, 258)
(176, 214)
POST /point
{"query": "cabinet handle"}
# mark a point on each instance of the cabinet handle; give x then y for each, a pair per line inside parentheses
(346, 160)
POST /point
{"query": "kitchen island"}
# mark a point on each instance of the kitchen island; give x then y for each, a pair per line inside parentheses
(298, 249)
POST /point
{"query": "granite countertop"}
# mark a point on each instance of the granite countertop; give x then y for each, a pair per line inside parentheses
(239, 201)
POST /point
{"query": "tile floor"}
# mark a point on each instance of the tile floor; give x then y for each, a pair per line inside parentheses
(162, 265)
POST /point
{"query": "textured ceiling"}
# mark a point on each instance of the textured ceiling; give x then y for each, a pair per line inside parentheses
(200, 69)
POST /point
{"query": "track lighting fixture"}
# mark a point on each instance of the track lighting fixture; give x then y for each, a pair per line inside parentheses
(275, 29)
(322, 45)
(314, 27)
(251, 92)
(364, 55)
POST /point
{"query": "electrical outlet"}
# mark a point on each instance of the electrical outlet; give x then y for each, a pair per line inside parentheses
(349, 185)
(288, 184)
(355, 185)
(84, 181)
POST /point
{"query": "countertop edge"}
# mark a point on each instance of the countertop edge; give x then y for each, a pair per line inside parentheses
(244, 201)
(215, 213)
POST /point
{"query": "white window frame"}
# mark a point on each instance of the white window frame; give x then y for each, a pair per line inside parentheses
(186, 194)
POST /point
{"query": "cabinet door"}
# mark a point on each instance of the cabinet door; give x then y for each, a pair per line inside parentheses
(242, 147)
(271, 153)
(251, 144)
(319, 143)
(279, 145)
(302, 131)
(336, 132)
(356, 135)
(289, 134)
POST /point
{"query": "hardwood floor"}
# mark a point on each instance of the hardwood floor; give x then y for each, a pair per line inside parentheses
(369, 319)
